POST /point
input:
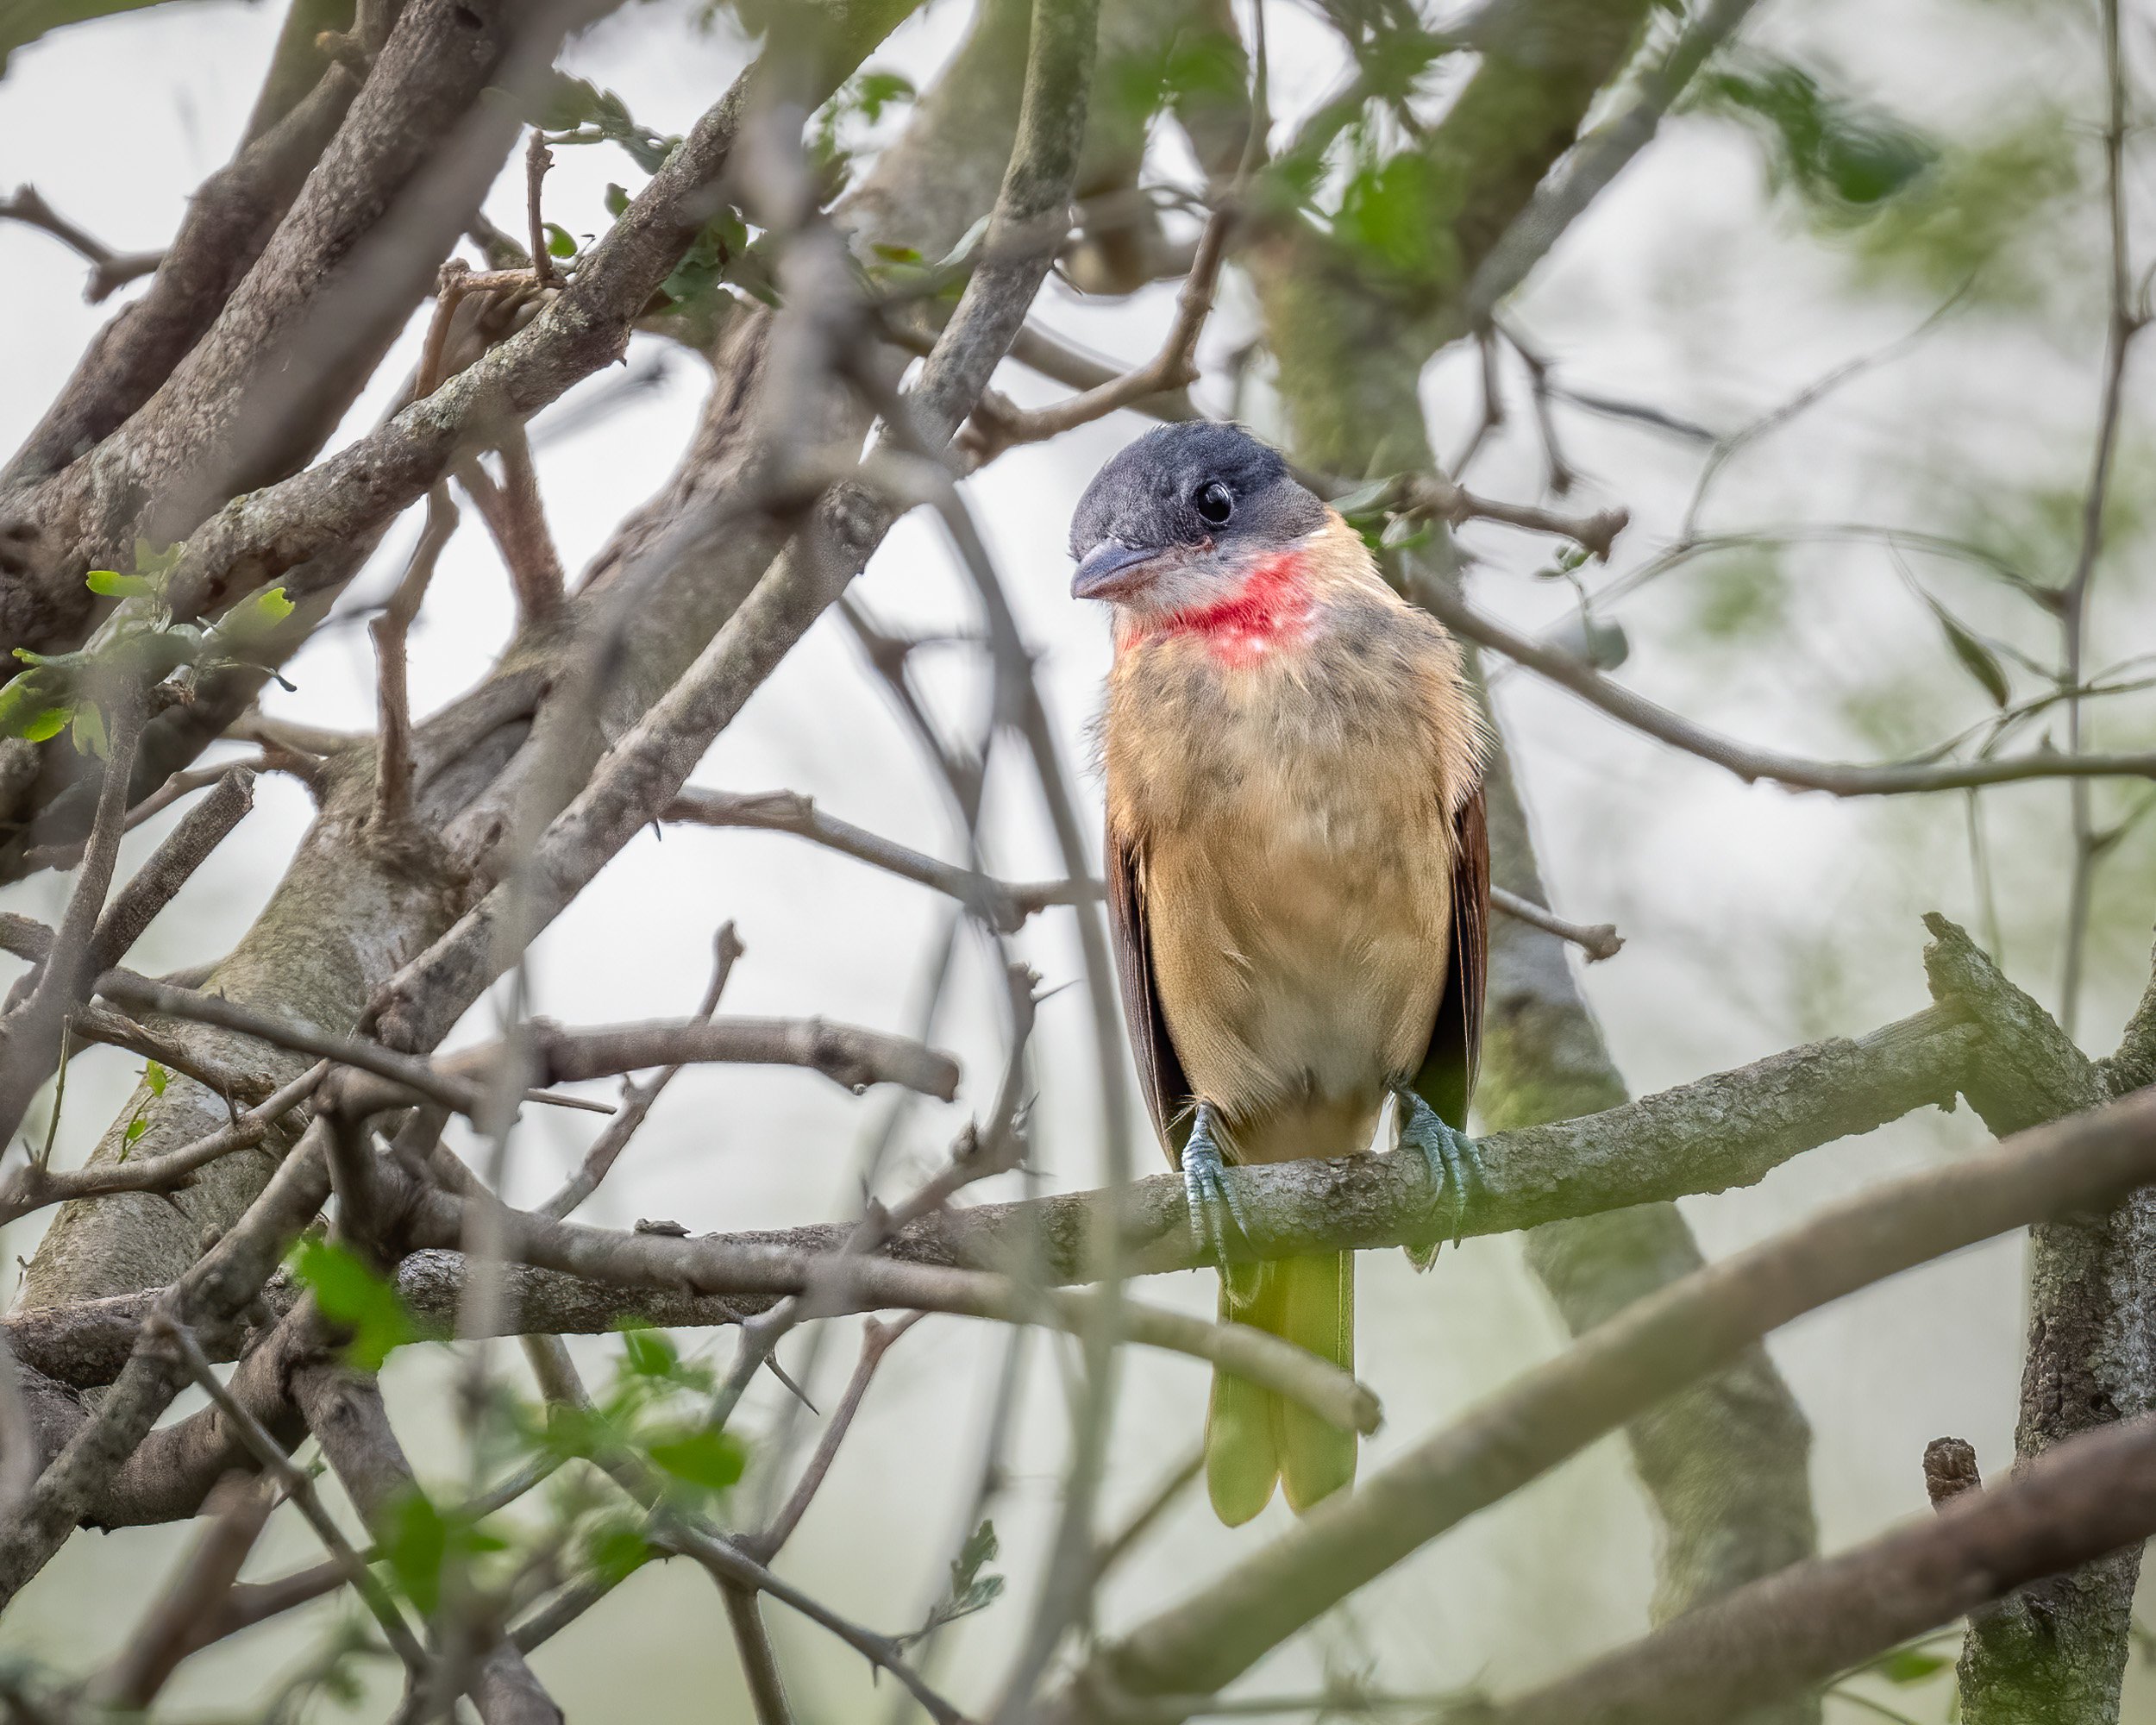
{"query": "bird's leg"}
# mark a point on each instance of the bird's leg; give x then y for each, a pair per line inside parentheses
(1447, 1153)
(1214, 1205)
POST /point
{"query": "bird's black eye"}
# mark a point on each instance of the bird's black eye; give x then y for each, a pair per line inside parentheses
(1214, 502)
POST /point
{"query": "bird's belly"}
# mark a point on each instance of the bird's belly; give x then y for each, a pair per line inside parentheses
(1300, 950)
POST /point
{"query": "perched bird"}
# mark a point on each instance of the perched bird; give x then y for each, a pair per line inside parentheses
(1298, 875)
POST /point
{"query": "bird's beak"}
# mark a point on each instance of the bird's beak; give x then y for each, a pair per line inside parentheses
(1111, 570)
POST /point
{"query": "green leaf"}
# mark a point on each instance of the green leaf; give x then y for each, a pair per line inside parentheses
(249, 625)
(89, 732)
(616, 200)
(649, 1353)
(968, 1590)
(156, 1077)
(351, 1293)
(1978, 660)
(617, 1549)
(414, 1538)
(112, 585)
(1844, 157)
(1910, 1664)
(156, 562)
(560, 243)
(1397, 214)
(875, 90)
(710, 1460)
(136, 1127)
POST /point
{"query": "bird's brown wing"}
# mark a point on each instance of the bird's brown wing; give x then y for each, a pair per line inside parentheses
(1446, 1081)
(1160, 1074)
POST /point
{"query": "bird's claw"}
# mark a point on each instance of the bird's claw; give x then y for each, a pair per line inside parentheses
(1214, 1205)
(1448, 1155)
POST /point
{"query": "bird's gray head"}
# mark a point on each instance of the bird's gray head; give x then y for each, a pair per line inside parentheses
(1178, 519)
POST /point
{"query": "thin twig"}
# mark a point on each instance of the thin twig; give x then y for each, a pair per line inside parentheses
(186, 849)
(537, 159)
(110, 271)
(1434, 494)
(875, 1341)
(1841, 779)
(391, 630)
(34, 1028)
(1597, 940)
(637, 1099)
(1005, 905)
(34, 1186)
(2121, 325)
(999, 423)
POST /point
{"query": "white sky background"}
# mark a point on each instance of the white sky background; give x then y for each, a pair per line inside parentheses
(1754, 918)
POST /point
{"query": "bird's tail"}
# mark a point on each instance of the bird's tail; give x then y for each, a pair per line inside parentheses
(1253, 1436)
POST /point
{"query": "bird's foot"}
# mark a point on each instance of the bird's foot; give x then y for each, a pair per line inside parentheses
(1214, 1208)
(1448, 1155)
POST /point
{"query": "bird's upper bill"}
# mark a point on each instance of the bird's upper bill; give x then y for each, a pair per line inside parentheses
(1177, 522)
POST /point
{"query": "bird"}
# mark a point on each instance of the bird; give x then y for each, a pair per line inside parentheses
(1297, 865)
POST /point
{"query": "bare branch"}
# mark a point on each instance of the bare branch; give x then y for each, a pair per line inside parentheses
(2090, 1495)
(391, 631)
(637, 1099)
(667, 1262)
(1003, 906)
(516, 517)
(537, 159)
(34, 1029)
(1598, 940)
(846, 1054)
(110, 271)
(1750, 763)
(997, 424)
(1431, 493)
(32, 1186)
(875, 1341)
(299, 1488)
(1950, 1469)
(1597, 159)
(201, 831)
(197, 1594)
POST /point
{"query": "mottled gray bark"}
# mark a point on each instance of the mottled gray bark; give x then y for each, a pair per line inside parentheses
(2055, 1654)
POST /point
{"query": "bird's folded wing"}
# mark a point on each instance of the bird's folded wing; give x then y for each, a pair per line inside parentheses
(1446, 1081)
(1160, 1074)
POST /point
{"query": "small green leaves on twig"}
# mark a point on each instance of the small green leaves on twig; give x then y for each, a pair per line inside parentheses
(350, 1293)
(969, 1590)
(138, 647)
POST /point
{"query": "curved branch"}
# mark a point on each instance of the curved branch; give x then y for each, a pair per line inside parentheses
(1841, 779)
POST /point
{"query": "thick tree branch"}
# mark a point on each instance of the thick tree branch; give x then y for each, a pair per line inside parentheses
(2092, 1494)
(1653, 1347)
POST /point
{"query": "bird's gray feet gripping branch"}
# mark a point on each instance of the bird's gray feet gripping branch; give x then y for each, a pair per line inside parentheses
(1213, 1206)
(1449, 1157)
